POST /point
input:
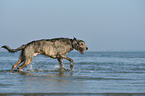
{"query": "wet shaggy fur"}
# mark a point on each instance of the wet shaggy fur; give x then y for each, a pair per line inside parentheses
(56, 48)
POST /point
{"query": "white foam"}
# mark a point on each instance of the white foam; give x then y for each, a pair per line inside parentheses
(57, 66)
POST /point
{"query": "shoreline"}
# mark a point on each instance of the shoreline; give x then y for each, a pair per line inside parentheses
(72, 94)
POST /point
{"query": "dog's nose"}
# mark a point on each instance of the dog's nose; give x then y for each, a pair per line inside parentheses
(86, 48)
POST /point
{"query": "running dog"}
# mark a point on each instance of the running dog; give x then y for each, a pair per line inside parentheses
(56, 48)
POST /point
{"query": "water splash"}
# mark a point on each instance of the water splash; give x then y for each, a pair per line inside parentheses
(57, 67)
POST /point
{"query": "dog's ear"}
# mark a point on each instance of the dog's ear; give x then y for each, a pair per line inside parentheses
(75, 44)
(74, 41)
(74, 38)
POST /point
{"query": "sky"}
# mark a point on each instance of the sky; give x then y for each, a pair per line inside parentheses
(105, 25)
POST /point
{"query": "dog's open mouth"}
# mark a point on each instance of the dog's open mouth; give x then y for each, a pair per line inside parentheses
(81, 50)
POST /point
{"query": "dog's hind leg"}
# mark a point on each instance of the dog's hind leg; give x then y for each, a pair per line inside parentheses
(26, 62)
(21, 59)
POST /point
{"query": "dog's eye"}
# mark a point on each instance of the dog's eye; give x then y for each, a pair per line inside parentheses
(81, 43)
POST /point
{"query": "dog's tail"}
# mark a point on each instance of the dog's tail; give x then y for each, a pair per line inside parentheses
(13, 50)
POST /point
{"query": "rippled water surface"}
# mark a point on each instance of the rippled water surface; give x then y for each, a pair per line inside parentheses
(94, 72)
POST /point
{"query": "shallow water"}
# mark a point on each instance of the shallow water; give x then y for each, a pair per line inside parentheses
(94, 72)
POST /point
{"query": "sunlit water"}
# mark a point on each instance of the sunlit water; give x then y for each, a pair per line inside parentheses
(94, 72)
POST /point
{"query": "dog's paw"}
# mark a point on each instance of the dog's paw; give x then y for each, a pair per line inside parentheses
(20, 70)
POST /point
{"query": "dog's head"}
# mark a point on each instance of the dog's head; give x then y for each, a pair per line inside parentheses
(79, 45)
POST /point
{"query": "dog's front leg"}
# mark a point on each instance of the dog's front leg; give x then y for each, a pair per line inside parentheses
(71, 61)
(60, 60)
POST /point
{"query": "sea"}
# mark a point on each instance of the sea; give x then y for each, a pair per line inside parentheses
(94, 74)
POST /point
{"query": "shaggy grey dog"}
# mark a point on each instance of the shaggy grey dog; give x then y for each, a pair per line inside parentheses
(56, 48)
